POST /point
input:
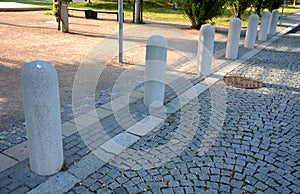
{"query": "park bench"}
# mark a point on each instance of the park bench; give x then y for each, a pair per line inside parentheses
(93, 14)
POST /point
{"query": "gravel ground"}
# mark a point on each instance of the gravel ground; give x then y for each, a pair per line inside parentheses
(33, 36)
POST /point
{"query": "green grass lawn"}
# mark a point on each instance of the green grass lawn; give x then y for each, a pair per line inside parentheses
(160, 10)
(225, 18)
(290, 9)
(155, 10)
(30, 2)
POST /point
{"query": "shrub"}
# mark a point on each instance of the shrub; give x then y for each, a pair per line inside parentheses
(237, 7)
(260, 5)
(201, 11)
(273, 4)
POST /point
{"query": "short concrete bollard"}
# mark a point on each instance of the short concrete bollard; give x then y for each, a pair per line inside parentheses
(251, 31)
(263, 31)
(42, 117)
(233, 40)
(155, 71)
(205, 49)
(273, 22)
(64, 17)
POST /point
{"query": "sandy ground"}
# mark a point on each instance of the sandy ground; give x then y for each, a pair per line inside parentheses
(29, 36)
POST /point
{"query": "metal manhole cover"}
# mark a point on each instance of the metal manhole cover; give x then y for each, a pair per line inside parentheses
(243, 82)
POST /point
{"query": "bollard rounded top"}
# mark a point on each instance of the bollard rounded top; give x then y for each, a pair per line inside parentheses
(157, 40)
(254, 17)
(38, 68)
(275, 11)
(207, 29)
(266, 13)
(236, 21)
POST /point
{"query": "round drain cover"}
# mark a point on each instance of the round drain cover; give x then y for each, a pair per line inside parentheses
(243, 82)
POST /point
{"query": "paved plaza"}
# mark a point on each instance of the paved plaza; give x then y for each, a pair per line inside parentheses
(208, 138)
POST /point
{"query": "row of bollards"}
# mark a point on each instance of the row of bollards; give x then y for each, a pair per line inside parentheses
(156, 52)
(42, 107)
(206, 38)
(268, 25)
(41, 96)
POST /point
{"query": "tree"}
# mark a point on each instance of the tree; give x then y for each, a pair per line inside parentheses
(201, 11)
(61, 16)
(273, 4)
(138, 11)
(260, 5)
(237, 7)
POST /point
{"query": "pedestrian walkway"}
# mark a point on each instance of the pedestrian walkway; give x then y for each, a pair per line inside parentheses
(14, 6)
(210, 138)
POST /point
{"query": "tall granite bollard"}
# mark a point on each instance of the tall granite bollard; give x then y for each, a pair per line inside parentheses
(273, 22)
(263, 31)
(42, 117)
(205, 49)
(64, 17)
(251, 31)
(155, 71)
(233, 40)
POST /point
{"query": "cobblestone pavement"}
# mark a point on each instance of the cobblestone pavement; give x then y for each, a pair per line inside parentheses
(227, 140)
(257, 150)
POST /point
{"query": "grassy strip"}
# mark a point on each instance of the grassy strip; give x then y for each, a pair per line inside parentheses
(40, 3)
(160, 10)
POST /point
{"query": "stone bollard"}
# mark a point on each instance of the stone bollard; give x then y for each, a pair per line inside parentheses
(205, 49)
(263, 31)
(42, 117)
(155, 71)
(251, 31)
(64, 17)
(273, 22)
(233, 40)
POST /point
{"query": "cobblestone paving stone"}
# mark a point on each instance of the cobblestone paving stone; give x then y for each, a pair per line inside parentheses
(19, 179)
(256, 151)
(17, 134)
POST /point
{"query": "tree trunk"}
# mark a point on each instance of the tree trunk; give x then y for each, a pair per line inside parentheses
(258, 10)
(193, 25)
(58, 14)
(196, 25)
(64, 17)
(239, 14)
(137, 16)
(258, 7)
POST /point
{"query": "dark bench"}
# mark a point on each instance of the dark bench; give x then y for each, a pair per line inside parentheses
(92, 14)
